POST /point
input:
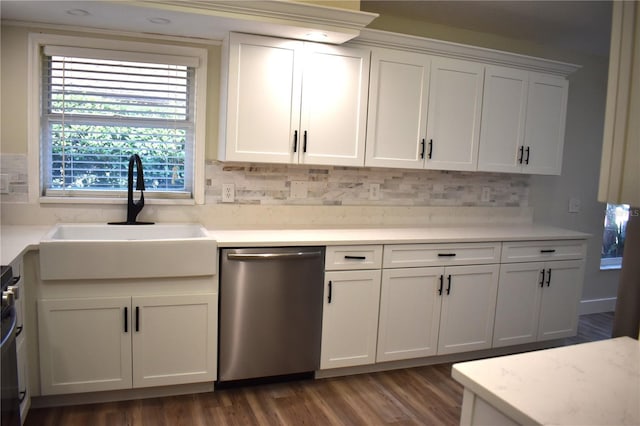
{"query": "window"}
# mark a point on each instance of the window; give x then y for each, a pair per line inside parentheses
(615, 229)
(99, 105)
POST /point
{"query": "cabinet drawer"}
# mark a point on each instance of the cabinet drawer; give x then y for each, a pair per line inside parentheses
(353, 257)
(531, 251)
(416, 255)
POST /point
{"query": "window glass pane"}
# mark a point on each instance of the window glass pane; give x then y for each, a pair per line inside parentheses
(615, 228)
(97, 113)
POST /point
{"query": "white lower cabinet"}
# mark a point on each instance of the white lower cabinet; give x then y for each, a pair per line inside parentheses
(109, 343)
(537, 301)
(350, 318)
(409, 313)
(438, 310)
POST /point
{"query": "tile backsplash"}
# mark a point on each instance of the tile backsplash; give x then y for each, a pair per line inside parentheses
(14, 185)
(268, 184)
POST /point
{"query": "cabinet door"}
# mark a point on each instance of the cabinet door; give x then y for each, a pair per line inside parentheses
(518, 305)
(85, 344)
(560, 298)
(398, 100)
(174, 339)
(409, 313)
(544, 129)
(503, 119)
(453, 123)
(263, 99)
(350, 318)
(468, 308)
(334, 105)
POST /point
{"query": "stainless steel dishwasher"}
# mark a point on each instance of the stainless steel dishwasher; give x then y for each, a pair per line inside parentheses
(270, 311)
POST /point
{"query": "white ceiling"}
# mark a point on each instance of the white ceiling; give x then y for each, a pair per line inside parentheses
(578, 24)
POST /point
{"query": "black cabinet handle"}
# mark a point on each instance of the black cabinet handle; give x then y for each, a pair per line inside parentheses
(422, 147)
(304, 146)
(19, 330)
(542, 280)
(548, 251)
(441, 285)
(295, 141)
(21, 396)
(137, 319)
(446, 254)
(15, 280)
(449, 284)
(526, 161)
(330, 291)
(355, 257)
(126, 319)
(521, 154)
(430, 148)
(549, 277)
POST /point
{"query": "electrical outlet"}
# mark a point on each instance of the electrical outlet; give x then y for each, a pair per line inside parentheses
(374, 191)
(228, 193)
(299, 189)
(574, 205)
(486, 194)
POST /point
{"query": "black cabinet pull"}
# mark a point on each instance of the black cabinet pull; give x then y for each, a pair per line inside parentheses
(15, 280)
(137, 319)
(449, 284)
(330, 291)
(422, 147)
(542, 280)
(304, 146)
(526, 161)
(446, 254)
(19, 330)
(521, 154)
(126, 319)
(21, 396)
(295, 141)
(355, 257)
(441, 285)
(548, 251)
(549, 277)
(430, 148)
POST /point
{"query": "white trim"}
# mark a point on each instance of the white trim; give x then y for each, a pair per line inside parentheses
(594, 306)
(37, 40)
(429, 46)
(120, 55)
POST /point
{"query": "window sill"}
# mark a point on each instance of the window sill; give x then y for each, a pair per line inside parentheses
(98, 200)
(610, 263)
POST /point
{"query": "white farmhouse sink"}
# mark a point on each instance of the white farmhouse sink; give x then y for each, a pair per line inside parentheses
(100, 251)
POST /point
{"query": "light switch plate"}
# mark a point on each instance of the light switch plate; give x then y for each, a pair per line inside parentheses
(299, 189)
(574, 205)
(374, 191)
(4, 183)
(486, 194)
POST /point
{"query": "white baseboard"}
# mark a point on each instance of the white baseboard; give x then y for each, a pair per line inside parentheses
(594, 306)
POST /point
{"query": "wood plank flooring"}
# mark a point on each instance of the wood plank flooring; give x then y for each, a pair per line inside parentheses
(415, 396)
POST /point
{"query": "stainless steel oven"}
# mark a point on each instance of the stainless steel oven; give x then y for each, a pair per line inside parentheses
(10, 396)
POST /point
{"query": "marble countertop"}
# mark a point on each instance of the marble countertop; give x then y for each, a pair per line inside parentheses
(16, 240)
(595, 383)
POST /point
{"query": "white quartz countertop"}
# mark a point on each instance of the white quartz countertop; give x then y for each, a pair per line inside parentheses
(432, 234)
(595, 383)
(16, 240)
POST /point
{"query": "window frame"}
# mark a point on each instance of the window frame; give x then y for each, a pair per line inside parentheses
(38, 156)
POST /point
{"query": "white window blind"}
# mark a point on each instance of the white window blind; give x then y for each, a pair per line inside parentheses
(102, 106)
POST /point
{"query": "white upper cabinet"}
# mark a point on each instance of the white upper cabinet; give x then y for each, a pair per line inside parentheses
(453, 125)
(398, 100)
(523, 122)
(424, 112)
(503, 118)
(294, 102)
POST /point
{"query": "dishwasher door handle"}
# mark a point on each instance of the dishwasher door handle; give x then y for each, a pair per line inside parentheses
(269, 256)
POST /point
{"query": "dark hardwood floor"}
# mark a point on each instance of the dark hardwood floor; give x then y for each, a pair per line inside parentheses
(415, 396)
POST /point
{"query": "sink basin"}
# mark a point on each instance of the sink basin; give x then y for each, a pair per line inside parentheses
(101, 251)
